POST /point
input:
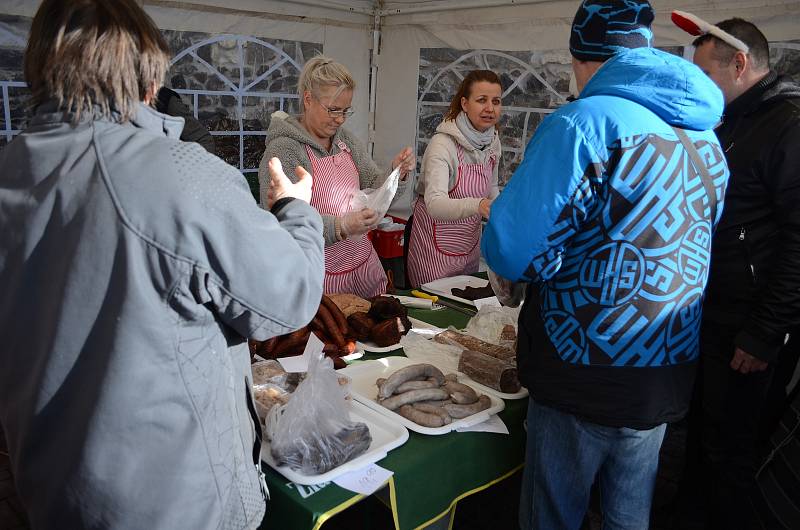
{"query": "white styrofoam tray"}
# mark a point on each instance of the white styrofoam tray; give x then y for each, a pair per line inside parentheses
(443, 287)
(386, 435)
(415, 325)
(362, 387)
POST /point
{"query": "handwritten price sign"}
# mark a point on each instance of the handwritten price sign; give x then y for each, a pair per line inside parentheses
(365, 481)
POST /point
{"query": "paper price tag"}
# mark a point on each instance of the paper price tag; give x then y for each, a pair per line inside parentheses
(493, 424)
(365, 481)
(491, 301)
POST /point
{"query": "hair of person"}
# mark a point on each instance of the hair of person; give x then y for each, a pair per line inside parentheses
(464, 90)
(94, 56)
(746, 32)
(322, 71)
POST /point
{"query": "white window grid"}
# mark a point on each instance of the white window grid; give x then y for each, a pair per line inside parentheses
(237, 87)
(8, 131)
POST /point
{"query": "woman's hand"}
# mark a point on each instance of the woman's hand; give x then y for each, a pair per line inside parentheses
(484, 208)
(405, 160)
(281, 186)
(358, 223)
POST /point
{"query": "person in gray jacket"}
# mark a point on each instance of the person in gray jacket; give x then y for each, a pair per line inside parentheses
(133, 266)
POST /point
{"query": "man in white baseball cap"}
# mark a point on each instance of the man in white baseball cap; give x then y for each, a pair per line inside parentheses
(753, 296)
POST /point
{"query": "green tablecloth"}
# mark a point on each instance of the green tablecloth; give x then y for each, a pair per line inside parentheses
(431, 473)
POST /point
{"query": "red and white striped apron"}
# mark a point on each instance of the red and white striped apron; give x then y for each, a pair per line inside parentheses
(351, 265)
(438, 249)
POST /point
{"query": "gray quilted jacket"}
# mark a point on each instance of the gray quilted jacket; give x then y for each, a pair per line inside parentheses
(132, 266)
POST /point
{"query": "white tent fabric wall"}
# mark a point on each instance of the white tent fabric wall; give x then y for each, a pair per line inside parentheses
(345, 31)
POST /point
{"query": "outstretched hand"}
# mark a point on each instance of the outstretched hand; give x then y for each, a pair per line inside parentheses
(281, 186)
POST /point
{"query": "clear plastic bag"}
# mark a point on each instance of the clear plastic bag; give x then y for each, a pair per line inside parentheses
(270, 372)
(379, 200)
(313, 433)
(266, 396)
(510, 294)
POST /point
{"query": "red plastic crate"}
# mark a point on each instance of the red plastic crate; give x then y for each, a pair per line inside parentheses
(389, 243)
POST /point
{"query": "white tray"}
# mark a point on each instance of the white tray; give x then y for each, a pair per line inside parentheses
(363, 389)
(386, 435)
(443, 286)
(415, 324)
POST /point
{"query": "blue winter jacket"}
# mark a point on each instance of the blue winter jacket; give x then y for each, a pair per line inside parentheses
(612, 223)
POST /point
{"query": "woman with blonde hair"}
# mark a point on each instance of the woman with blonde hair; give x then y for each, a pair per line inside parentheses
(340, 166)
(457, 184)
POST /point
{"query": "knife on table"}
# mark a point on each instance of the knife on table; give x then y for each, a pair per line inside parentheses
(439, 300)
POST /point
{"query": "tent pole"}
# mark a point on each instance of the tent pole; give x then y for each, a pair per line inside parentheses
(373, 79)
(336, 6)
(465, 4)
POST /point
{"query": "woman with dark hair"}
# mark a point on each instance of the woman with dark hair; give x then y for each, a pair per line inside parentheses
(457, 184)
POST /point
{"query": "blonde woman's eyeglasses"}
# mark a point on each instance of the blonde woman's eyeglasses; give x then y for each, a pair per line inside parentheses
(336, 113)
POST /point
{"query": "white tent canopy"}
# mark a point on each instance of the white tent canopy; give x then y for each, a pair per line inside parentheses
(380, 41)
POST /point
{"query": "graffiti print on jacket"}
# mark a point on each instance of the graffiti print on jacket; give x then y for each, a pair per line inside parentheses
(628, 288)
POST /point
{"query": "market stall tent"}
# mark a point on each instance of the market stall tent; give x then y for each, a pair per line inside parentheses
(236, 61)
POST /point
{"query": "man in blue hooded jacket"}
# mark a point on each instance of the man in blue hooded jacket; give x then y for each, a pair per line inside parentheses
(609, 218)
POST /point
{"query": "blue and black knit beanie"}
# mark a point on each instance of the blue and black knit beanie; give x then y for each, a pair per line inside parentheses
(604, 27)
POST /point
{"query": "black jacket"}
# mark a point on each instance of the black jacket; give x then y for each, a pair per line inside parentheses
(754, 280)
(169, 102)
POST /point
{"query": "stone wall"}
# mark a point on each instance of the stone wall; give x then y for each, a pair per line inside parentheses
(539, 83)
(230, 98)
(218, 80)
(13, 39)
(785, 58)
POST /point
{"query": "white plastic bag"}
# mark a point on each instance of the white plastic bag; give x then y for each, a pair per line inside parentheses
(313, 433)
(490, 322)
(377, 200)
(424, 350)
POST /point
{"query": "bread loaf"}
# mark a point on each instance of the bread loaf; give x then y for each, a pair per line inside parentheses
(468, 342)
(349, 303)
